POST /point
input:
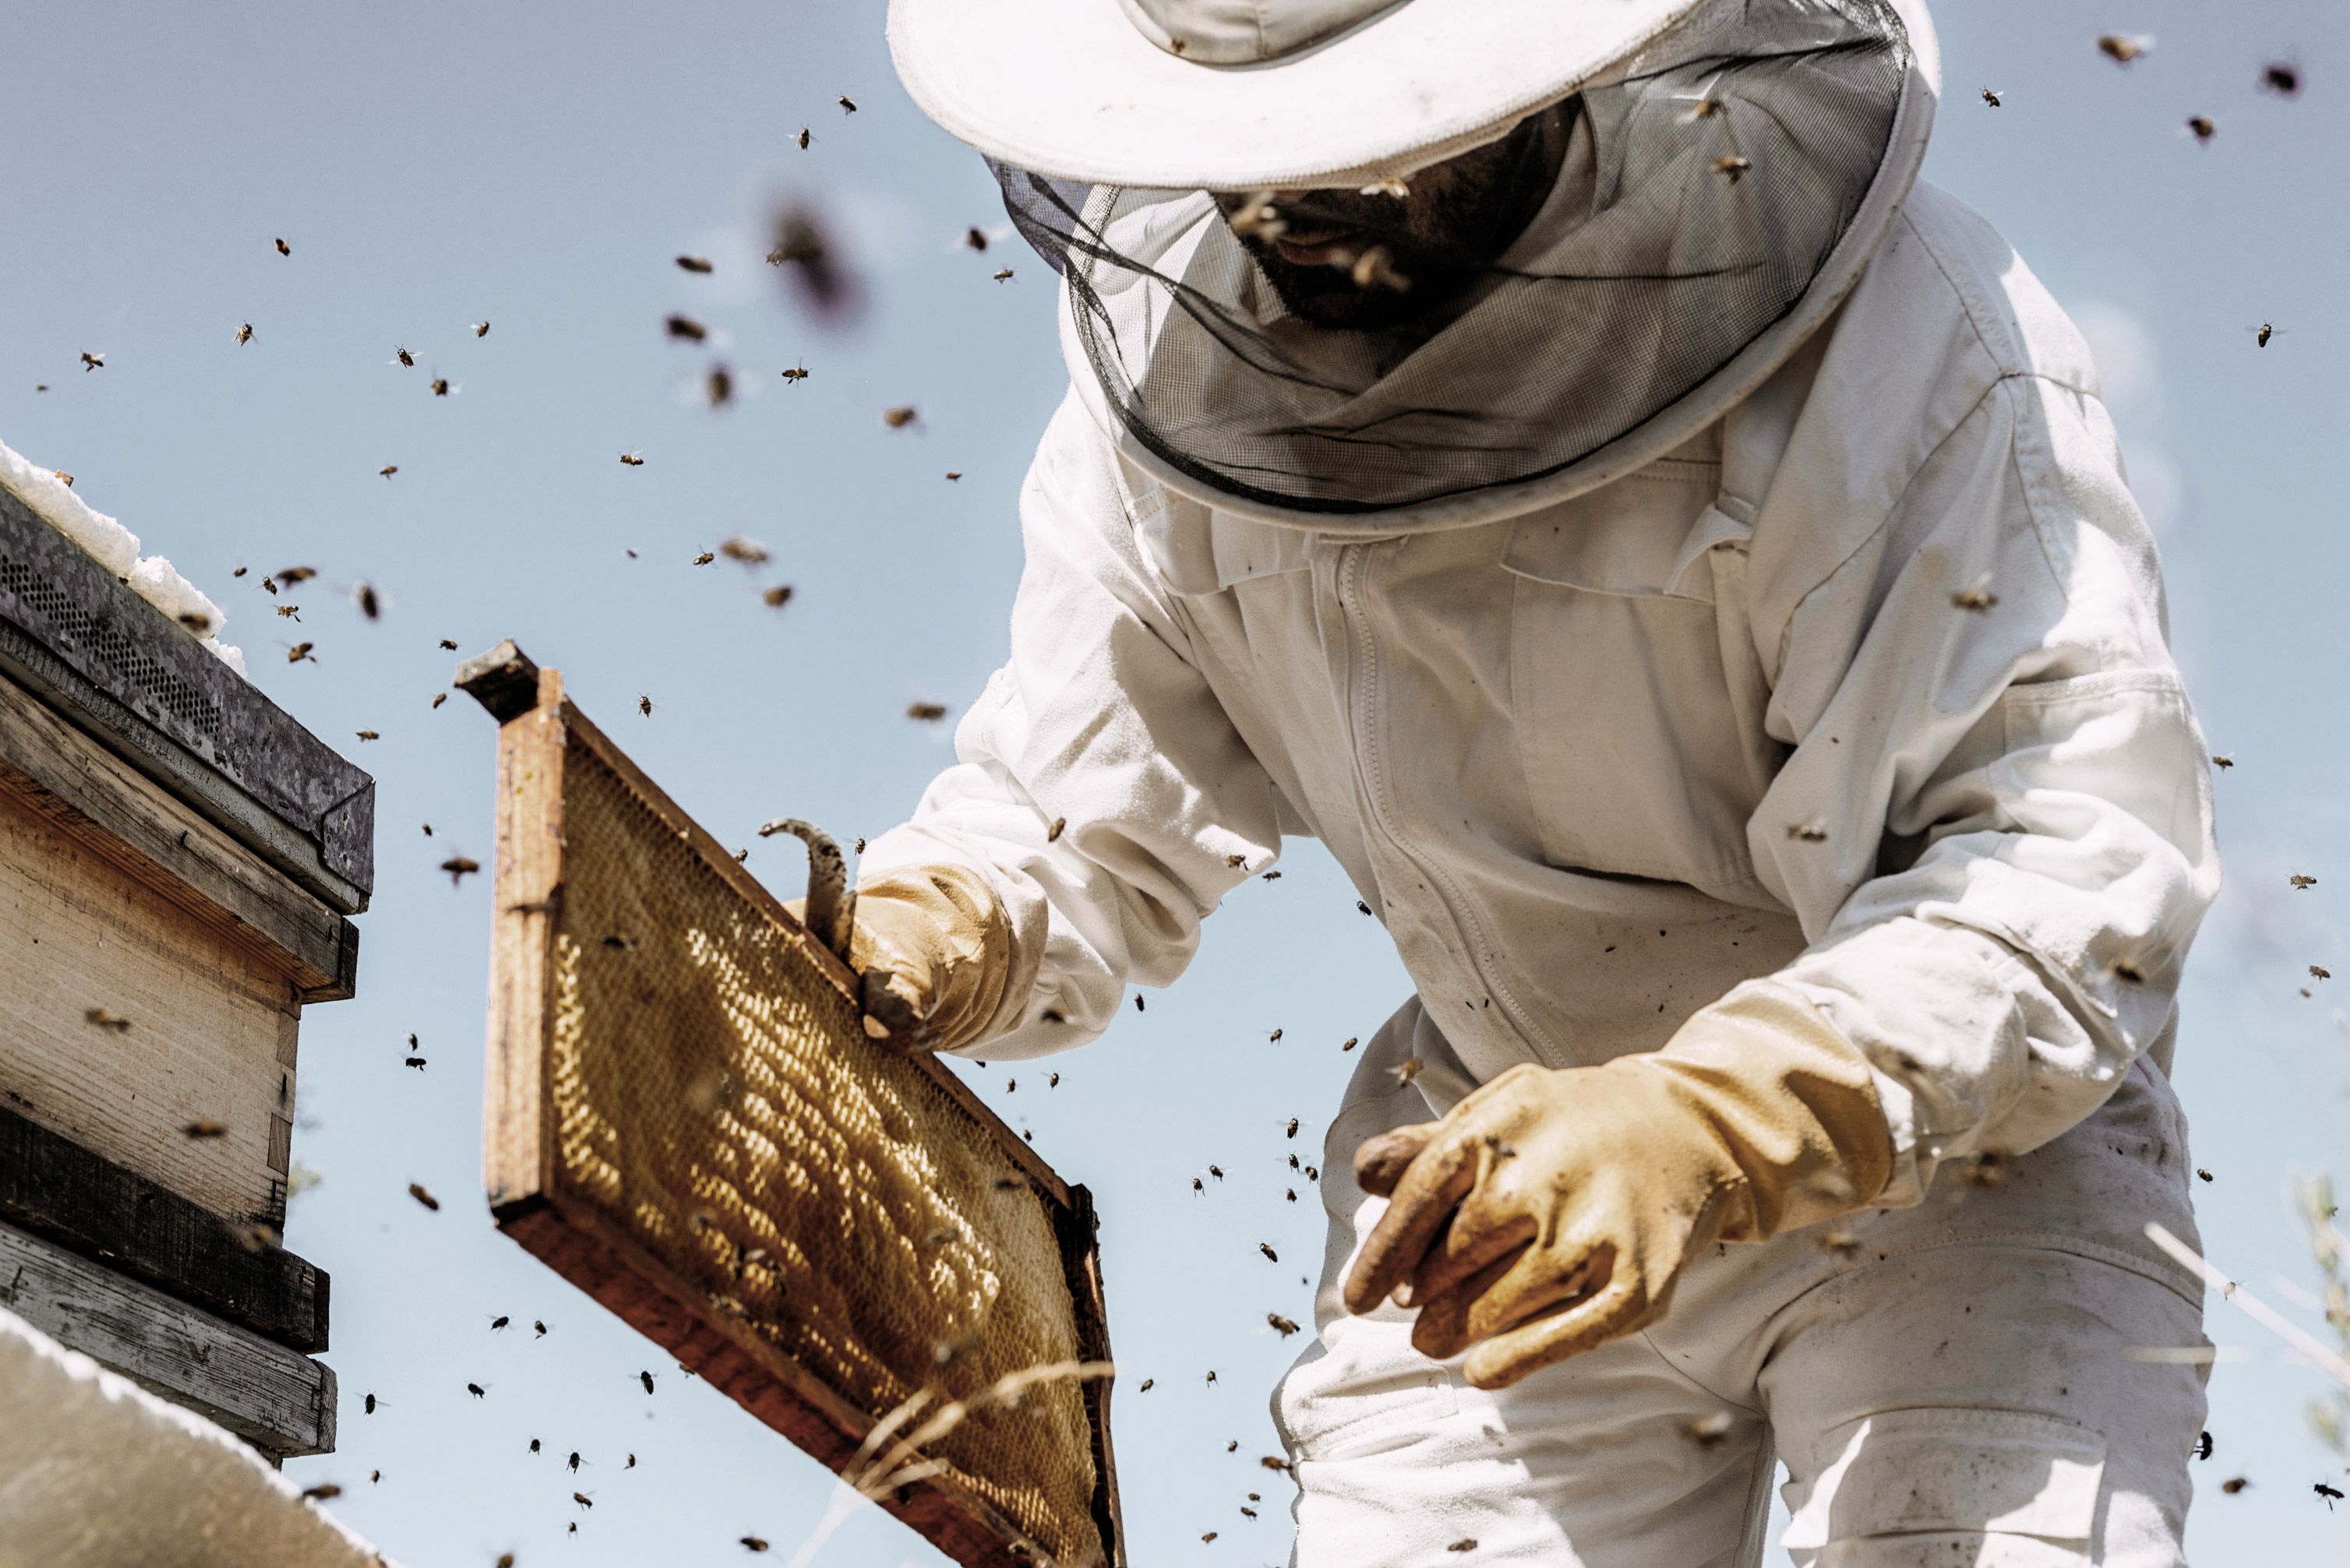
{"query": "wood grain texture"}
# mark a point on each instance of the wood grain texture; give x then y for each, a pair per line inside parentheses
(280, 1401)
(201, 1018)
(65, 1194)
(589, 1251)
(88, 791)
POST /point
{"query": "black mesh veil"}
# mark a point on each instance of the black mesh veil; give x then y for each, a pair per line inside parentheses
(1701, 190)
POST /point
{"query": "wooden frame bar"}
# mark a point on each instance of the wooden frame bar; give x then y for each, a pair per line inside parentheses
(538, 728)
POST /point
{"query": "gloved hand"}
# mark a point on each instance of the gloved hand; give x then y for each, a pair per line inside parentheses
(1552, 1210)
(934, 957)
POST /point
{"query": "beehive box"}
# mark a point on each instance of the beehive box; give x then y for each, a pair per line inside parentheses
(178, 861)
(686, 1119)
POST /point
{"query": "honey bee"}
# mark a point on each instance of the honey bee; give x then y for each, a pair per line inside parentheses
(1052, 1081)
(295, 577)
(92, 362)
(368, 735)
(753, 1544)
(539, 1328)
(440, 385)
(368, 1404)
(694, 264)
(1840, 1243)
(804, 139)
(975, 238)
(633, 460)
(480, 329)
(1388, 186)
(1990, 96)
(575, 1461)
(1280, 1324)
(2125, 970)
(777, 596)
(298, 653)
(1053, 835)
(645, 705)
(687, 328)
(1312, 1173)
(899, 417)
(1147, 1384)
(244, 333)
(416, 1191)
(1293, 1127)
(1349, 1043)
(437, 698)
(2281, 78)
(631, 1463)
(1733, 166)
(401, 357)
(416, 1062)
(796, 374)
(1984, 1169)
(498, 1322)
(1274, 1038)
(284, 249)
(704, 558)
(2202, 126)
(2222, 760)
(583, 1500)
(750, 552)
(369, 602)
(1406, 1070)
(1813, 832)
(2319, 972)
(1266, 1248)
(389, 469)
(324, 1492)
(2206, 1176)
(1361, 908)
(197, 622)
(202, 1130)
(1708, 1430)
(848, 104)
(926, 713)
(1274, 1463)
(2123, 47)
(953, 473)
(1976, 596)
(1001, 274)
(1466, 1543)
(718, 386)
(1372, 270)
(647, 1379)
(1217, 1171)
(2262, 333)
(2302, 883)
(2234, 1484)
(459, 867)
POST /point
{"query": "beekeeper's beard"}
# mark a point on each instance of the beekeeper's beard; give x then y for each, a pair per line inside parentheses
(1434, 242)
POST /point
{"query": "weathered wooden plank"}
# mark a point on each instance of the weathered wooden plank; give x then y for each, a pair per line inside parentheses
(92, 793)
(122, 670)
(274, 1399)
(135, 1028)
(63, 1193)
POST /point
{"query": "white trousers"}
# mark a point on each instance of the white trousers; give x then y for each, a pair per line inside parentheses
(1949, 1384)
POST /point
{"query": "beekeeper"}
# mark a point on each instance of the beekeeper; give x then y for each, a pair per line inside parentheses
(1554, 452)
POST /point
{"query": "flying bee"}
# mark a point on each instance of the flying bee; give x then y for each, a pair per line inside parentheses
(2123, 47)
(1053, 834)
(1147, 1384)
(1266, 1248)
(300, 651)
(371, 603)
(295, 577)
(647, 1379)
(583, 1500)
(750, 552)
(1388, 186)
(369, 1404)
(2281, 78)
(686, 327)
(416, 1062)
(1813, 832)
(2206, 1176)
(1003, 275)
(1990, 96)
(753, 1544)
(1733, 167)
(718, 386)
(777, 596)
(1708, 1430)
(2262, 333)
(575, 1461)
(1371, 270)
(645, 705)
(1293, 1127)
(848, 104)
(284, 249)
(389, 469)
(196, 621)
(1052, 1081)
(1406, 1070)
(540, 1329)
(2302, 883)
(202, 1130)
(704, 558)
(324, 1492)
(2222, 760)
(1840, 1243)
(633, 458)
(440, 385)
(90, 361)
(926, 713)
(1274, 1038)
(975, 238)
(367, 734)
(1349, 1043)
(1217, 1171)
(2234, 1485)
(244, 333)
(416, 1191)
(437, 698)
(459, 867)
(1280, 1325)
(899, 417)
(796, 374)
(694, 264)
(2319, 972)
(403, 356)
(1976, 596)
(480, 329)
(2202, 126)
(804, 139)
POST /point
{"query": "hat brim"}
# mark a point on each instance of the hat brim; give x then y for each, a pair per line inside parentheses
(1072, 88)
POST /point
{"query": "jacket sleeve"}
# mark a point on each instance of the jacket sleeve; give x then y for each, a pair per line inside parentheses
(1099, 721)
(1995, 822)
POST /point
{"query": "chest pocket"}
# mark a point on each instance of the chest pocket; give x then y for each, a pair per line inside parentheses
(1637, 692)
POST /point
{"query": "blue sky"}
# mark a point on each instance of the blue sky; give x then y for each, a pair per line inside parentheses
(432, 165)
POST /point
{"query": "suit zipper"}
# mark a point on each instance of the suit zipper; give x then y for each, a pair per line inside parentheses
(1370, 772)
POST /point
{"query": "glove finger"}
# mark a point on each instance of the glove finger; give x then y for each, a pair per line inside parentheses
(1536, 1279)
(1621, 1308)
(1441, 1329)
(1484, 1228)
(1381, 1163)
(1436, 1179)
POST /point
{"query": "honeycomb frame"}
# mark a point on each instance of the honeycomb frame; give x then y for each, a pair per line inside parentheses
(623, 1159)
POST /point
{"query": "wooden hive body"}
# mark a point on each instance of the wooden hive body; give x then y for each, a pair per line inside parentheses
(686, 1120)
(178, 861)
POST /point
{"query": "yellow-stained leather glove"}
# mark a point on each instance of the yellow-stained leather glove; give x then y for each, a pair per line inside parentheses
(934, 957)
(1553, 1208)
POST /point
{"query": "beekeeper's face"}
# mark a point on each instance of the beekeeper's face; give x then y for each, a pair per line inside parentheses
(1359, 258)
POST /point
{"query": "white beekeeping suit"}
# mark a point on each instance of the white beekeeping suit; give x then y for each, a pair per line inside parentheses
(1728, 626)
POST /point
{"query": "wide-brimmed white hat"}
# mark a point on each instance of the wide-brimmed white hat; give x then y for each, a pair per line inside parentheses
(1253, 94)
